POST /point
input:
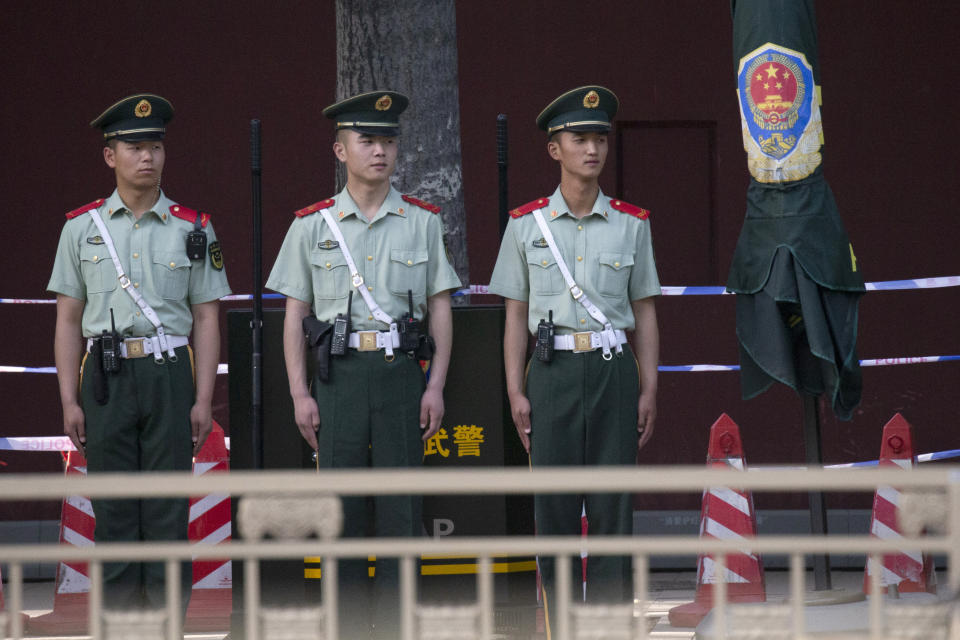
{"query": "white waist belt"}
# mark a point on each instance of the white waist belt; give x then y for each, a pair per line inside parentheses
(373, 340)
(142, 347)
(584, 341)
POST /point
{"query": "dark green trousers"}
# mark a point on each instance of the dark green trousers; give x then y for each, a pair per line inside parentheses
(584, 413)
(145, 426)
(370, 417)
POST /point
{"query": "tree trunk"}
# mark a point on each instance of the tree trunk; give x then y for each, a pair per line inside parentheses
(410, 46)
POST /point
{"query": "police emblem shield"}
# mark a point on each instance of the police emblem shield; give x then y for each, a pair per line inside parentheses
(216, 256)
(780, 114)
(793, 270)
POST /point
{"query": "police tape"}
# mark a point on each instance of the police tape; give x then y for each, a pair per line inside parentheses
(62, 443)
(47, 443)
(886, 285)
(871, 362)
(223, 368)
(483, 289)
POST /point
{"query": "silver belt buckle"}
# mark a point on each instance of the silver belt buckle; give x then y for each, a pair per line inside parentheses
(368, 341)
(582, 342)
(135, 347)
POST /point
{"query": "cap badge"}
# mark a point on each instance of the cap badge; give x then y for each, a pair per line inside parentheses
(591, 100)
(384, 103)
(143, 109)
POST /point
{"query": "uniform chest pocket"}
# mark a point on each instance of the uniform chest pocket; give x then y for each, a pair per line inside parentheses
(545, 276)
(96, 267)
(407, 271)
(171, 274)
(330, 274)
(614, 273)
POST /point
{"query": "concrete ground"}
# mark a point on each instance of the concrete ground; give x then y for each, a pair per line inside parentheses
(668, 589)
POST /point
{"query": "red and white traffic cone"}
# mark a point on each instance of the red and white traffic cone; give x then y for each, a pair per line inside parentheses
(212, 596)
(726, 514)
(211, 600)
(69, 615)
(909, 571)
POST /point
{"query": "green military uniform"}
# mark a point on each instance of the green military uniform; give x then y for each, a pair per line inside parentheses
(145, 423)
(370, 407)
(584, 409)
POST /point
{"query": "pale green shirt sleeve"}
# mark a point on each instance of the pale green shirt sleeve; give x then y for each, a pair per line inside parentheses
(440, 273)
(66, 278)
(291, 273)
(644, 281)
(510, 277)
(206, 282)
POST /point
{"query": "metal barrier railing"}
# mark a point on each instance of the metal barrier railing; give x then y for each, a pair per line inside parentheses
(943, 483)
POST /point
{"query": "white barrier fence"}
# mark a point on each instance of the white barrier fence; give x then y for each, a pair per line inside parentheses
(939, 486)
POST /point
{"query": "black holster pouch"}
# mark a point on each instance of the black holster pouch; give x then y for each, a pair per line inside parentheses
(101, 391)
(317, 334)
(426, 347)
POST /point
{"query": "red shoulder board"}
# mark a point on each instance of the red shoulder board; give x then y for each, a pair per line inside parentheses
(316, 206)
(539, 203)
(85, 208)
(185, 213)
(630, 209)
(420, 203)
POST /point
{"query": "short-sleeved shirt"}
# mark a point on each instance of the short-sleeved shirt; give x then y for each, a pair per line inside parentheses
(609, 254)
(152, 251)
(400, 250)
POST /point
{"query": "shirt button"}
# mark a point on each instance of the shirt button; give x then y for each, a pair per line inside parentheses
(136, 255)
(138, 314)
(369, 257)
(544, 263)
(136, 226)
(579, 258)
(369, 288)
(136, 285)
(583, 321)
(369, 317)
(409, 262)
(579, 227)
(95, 258)
(616, 264)
(328, 265)
(173, 264)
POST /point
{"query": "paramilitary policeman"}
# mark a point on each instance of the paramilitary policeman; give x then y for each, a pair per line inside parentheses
(577, 271)
(134, 275)
(370, 266)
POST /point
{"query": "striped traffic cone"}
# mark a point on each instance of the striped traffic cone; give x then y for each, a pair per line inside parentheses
(726, 514)
(211, 600)
(910, 570)
(69, 615)
(209, 523)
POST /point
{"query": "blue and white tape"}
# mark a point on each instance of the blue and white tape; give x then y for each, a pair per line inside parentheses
(483, 289)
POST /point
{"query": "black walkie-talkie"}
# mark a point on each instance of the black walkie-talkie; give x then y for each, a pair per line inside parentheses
(341, 330)
(197, 240)
(110, 348)
(545, 331)
(409, 328)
